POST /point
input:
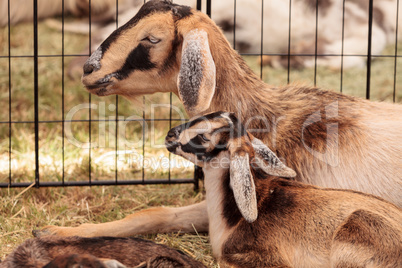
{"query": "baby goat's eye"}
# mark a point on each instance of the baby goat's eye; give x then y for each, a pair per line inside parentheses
(202, 136)
(151, 39)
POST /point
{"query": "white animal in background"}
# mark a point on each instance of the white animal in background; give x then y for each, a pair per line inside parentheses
(342, 26)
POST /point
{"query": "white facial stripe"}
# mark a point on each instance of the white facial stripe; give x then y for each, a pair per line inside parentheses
(226, 116)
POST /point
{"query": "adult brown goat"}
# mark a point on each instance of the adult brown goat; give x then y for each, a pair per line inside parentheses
(329, 139)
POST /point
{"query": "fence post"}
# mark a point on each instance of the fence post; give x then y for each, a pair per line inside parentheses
(370, 31)
(36, 92)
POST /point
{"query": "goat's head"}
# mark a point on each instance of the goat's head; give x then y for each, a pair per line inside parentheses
(219, 140)
(163, 48)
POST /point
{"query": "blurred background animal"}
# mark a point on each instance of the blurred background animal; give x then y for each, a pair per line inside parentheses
(252, 26)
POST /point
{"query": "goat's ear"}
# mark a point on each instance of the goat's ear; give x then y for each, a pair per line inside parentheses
(197, 76)
(269, 162)
(243, 187)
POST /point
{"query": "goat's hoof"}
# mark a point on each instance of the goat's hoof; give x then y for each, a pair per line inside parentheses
(48, 230)
(39, 233)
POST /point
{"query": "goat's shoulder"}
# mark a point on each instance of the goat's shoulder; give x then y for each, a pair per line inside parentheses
(278, 196)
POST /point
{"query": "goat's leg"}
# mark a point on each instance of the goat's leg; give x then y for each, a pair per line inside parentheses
(366, 239)
(152, 220)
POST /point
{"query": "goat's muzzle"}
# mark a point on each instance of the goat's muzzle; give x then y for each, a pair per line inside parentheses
(100, 87)
(171, 139)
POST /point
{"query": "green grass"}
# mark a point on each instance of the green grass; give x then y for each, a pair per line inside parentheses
(35, 208)
(20, 214)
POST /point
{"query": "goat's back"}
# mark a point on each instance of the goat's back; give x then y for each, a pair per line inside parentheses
(300, 225)
(337, 141)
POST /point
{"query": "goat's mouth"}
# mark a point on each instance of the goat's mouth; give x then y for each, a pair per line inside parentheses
(171, 146)
(100, 88)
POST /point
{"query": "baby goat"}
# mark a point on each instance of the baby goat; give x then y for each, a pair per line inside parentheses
(96, 252)
(260, 219)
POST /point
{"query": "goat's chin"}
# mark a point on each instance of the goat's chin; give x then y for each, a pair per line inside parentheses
(101, 92)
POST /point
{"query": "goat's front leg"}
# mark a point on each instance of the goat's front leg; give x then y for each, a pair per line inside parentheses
(152, 220)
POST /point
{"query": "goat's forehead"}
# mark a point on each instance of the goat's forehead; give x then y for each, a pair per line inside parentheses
(209, 121)
(128, 33)
(150, 10)
(204, 126)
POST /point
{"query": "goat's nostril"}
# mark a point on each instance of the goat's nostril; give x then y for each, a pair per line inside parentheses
(88, 68)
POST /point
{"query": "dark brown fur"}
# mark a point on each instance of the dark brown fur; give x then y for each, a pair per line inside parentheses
(67, 251)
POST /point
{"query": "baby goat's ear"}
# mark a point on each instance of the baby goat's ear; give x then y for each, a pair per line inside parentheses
(242, 184)
(197, 76)
(269, 162)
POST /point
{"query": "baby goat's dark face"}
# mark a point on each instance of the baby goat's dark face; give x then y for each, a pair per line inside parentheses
(204, 138)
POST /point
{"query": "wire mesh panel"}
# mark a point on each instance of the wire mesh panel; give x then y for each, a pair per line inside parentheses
(54, 133)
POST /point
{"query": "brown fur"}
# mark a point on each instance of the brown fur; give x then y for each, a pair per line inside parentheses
(329, 139)
(298, 225)
(334, 227)
(281, 111)
(94, 252)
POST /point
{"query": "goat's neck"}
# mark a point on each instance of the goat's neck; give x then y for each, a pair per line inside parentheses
(241, 91)
(218, 229)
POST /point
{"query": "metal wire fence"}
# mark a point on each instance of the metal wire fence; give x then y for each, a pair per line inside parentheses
(11, 175)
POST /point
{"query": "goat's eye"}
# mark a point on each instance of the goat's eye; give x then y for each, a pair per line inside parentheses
(151, 39)
(202, 136)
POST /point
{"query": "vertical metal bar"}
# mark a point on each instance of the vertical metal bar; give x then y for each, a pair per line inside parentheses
(370, 31)
(170, 126)
(262, 37)
(36, 92)
(396, 49)
(9, 95)
(90, 99)
(209, 8)
(316, 43)
(198, 175)
(62, 89)
(289, 38)
(343, 43)
(116, 139)
(117, 109)
(143, 138)
(143, 132)
(234, 24)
